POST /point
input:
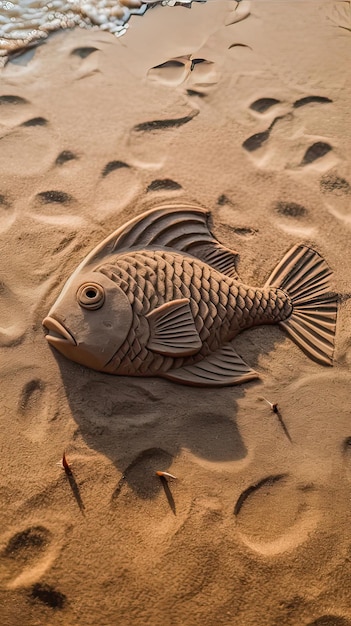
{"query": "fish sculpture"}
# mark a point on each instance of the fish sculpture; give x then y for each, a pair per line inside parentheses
(162, 297)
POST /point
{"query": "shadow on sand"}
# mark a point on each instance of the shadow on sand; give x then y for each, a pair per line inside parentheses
(142, 424)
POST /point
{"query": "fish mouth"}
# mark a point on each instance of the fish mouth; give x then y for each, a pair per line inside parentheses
(57, 334)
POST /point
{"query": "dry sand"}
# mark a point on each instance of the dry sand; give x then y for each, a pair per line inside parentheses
(256, 528)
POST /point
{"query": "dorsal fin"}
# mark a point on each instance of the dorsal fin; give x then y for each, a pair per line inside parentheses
(181, 227)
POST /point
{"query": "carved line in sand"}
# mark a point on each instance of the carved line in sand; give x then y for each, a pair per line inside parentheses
(161, 297)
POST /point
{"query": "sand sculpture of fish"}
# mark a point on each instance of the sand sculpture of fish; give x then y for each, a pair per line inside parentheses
(162, 297)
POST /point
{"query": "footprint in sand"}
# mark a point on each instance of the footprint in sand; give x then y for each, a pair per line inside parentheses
(148, 141)
(27, 142)
(171, 73)
(13, 316)
(203, 78)
(117, 186)
(13, 109)
(333, 184)
(46, 594)
(291, 209)
(64, 157)
(26, 553)
(284, 144)
(165, 184)
(337, 192)
(197, 75)
(56, 208)
(141, 494)
(276, 515)
(35, 407)
(84, 62)
(293, 219)
(346, 456)
(141, 473)
(330, 620)
(7, 213)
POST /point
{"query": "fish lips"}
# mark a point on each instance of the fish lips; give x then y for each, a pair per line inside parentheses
(58, 336)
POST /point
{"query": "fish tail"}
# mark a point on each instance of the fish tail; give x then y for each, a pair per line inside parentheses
(304, 275)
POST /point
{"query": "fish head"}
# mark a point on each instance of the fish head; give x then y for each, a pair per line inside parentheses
(90, 320)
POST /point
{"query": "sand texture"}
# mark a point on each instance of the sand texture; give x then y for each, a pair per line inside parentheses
(243, 109)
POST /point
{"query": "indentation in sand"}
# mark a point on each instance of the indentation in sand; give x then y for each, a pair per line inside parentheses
(197, 75)
(54, 196)
(166, 184)
(84, 63)
(295, 219)
(7, 212)
(286, 143)
(35, 121)
(13, 324)
(330, 620)
(118, 185)
(26, 553)
(48, 595)
(34, 407)
(10, 99)
(13, 109)
(172, 72)
(268, 526)
(291, 209)
(310, 100)
(141, 472)
(64, 157)
(316, 151)
(165, 124)
(84, 51)
(111, 166)
(204, 76)
(148, 141)
(30, 395)
(334, 184)
(263, 104)
(27, 150)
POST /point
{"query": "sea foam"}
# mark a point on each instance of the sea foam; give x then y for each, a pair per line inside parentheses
(24, 23)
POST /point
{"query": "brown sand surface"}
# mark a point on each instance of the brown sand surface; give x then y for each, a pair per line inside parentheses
(256, 529)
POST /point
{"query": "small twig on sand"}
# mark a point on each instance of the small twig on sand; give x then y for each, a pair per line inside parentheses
(274, 406)
(162, 476)
(72, 482)
(65, 465)
(275, 409)
(166, 475)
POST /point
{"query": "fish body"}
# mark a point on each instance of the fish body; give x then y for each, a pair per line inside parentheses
(161, 297)
(220, 306)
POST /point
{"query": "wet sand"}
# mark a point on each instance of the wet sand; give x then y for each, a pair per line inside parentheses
(243, 109)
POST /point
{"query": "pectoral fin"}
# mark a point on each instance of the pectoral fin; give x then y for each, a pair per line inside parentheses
(172, 329)
(222, 368)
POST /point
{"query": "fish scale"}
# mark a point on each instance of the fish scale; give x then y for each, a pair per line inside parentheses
(214, 298)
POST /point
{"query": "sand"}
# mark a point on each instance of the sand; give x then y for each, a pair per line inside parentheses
(256, 529)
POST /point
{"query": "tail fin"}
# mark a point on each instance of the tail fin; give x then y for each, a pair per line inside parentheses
(304, 275)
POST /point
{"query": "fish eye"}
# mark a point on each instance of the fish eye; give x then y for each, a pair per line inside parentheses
(91, 296)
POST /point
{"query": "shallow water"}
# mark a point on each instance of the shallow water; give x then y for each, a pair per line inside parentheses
(26, 22)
